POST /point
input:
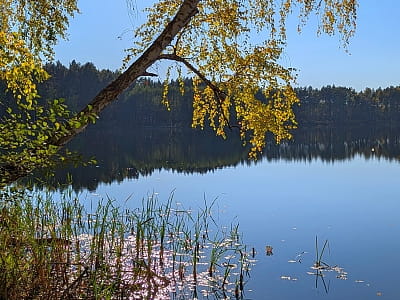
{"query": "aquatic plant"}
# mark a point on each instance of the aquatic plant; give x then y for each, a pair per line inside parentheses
(321, 268)
(61, 250)
(318, 256)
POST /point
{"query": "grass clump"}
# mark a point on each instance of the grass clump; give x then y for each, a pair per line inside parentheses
(58, 250)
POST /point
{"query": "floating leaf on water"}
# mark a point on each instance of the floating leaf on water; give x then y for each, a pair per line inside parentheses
(229, 257)
(311, 273)
(268, 250)
(229, 265)
(301, 254)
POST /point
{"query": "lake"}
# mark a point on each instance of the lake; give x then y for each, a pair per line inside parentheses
(338, 185)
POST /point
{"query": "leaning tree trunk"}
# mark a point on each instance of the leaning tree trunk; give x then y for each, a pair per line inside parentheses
(186, 12)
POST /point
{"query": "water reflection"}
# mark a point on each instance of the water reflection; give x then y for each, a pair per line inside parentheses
(297, 190)
(131, 153)
(61, 250)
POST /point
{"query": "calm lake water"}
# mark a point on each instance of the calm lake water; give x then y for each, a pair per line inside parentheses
(351, 199)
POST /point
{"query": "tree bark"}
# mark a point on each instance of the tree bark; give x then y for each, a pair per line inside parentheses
(187, 10)
(105, 97)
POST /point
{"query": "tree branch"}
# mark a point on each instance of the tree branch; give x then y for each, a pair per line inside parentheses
(105, 97)
(219, 94)
(149, 74)
(186, 12)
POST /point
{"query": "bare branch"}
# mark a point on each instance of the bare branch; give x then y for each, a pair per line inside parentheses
(149, 74)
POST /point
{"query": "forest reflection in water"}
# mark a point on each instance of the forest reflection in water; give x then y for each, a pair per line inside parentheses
(133, 152)
(337, 183)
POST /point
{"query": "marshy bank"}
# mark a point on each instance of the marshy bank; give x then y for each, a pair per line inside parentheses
(59, 249)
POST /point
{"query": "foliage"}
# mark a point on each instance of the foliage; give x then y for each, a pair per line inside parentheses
(38, 23)
(28, 32)
(139, 133)
(229, 67)
(213, 39)
(140, 104)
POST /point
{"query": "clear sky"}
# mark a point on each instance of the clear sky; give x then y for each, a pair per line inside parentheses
(104, 28)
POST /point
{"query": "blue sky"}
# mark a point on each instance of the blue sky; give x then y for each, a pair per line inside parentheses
(102, 31)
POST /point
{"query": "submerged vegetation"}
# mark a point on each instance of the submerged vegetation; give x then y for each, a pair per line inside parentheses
(61, 250)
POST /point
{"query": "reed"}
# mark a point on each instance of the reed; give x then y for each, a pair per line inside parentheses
(319, 264)
(59, 250)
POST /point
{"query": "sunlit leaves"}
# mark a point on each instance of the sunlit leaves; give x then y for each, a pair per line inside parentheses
(233, 48)
(237, 48)
(19, 69)
(40, 23)
(164, 99)
(28, 32)
(25, 136)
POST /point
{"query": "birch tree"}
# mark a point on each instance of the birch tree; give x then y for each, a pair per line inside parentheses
(232, 50)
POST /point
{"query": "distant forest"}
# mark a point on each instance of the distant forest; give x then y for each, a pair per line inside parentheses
(137, 134)
(141, 104)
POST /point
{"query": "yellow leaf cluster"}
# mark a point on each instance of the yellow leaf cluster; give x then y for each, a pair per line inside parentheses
(234, 50)
(28, 32)
(19, 69)
(40, 23)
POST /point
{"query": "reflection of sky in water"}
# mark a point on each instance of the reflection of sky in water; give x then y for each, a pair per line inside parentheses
(354, 204)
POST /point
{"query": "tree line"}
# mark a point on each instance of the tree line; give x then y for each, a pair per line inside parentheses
(141, 104)
(199, 37)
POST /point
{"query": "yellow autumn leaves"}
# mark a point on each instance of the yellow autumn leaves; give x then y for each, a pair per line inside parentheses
(234, 50)
(39, 23)
(28, 32)
(19, 69)
(231, 48)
